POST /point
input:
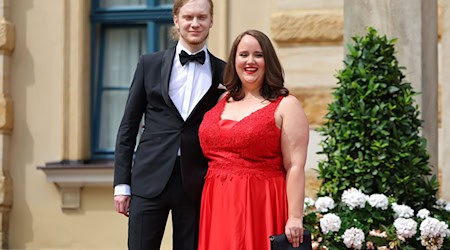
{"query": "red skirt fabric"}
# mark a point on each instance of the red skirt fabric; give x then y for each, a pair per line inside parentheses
(241, 212)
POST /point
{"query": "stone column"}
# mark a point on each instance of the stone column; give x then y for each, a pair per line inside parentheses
(7, 38)
(414, 23)
(445, 104)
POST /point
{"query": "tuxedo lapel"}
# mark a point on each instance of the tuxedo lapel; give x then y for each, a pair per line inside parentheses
(166, 69)
(217, 71)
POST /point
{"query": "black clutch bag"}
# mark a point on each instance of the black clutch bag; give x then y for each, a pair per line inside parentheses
(280, 242)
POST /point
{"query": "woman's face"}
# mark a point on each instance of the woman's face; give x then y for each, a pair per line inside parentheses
(250, 63)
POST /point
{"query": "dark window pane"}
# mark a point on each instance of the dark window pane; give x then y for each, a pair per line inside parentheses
(121, 51)
(113, 103)
(123, 46)
(165, 36)
(122, 3)
(165, 2)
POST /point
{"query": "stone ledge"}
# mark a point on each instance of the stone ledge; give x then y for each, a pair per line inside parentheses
(309, 26)
(315, 26)
(312, 183)
(315, 102)
(6, 114)
(7, 36)
(71, 177)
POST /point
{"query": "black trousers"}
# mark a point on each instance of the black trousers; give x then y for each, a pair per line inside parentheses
(148, 217)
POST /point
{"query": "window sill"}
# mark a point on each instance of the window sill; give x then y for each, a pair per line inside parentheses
(72, 176)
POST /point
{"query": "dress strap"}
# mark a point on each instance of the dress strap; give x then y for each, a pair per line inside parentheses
(223, 101)
(274, 104)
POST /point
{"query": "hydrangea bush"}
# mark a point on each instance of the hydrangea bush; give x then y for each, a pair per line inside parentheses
(377, 191)
(361, 221)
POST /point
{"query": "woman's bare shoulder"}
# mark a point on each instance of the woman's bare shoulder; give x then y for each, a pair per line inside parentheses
(290, 102)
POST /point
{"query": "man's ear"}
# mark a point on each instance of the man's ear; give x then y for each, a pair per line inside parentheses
(175, 22)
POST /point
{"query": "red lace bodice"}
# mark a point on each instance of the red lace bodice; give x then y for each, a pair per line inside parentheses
(249, 146)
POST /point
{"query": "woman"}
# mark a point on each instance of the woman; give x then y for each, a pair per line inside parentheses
(256, 141)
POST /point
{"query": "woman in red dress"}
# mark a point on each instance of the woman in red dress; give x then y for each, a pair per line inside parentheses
(256, 141)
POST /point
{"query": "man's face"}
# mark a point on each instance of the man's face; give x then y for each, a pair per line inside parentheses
(193, 23)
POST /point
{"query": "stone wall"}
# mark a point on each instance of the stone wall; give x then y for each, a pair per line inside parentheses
(7, 41)
(308, 36)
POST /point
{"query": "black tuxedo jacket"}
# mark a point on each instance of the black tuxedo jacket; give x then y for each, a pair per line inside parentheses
(165, 130)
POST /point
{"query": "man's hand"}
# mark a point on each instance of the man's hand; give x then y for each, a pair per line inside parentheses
(122, 203)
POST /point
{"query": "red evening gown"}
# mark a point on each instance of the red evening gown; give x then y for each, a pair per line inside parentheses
(244, 197)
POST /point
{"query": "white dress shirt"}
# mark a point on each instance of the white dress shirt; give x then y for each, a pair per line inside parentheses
(187, 85)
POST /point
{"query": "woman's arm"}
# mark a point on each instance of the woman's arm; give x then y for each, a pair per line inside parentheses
(292, 121)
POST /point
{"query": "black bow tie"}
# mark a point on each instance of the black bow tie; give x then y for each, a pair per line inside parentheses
(185, 57)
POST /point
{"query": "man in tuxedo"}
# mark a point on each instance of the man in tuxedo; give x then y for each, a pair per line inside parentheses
(172, 89)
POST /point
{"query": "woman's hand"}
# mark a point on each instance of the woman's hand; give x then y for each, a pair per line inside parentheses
(294, 231)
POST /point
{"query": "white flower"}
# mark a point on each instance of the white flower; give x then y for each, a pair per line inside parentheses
(432, 243)
(379, 201)
(330, 223)
(309, 202)
(406, 228)
(441, 203)
(378, 233)
(402, 211)
(323, 204)
(354, 198)
(434, 228)
(433, 232)
(423, 213)
(353, 238)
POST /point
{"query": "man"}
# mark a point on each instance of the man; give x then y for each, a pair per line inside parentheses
(173, 89)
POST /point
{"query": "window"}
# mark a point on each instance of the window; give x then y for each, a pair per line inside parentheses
(122, 30)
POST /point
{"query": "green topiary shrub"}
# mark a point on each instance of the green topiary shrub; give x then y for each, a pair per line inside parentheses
(372, 138)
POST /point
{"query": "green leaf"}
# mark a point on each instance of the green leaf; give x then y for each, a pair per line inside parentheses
(393, 89)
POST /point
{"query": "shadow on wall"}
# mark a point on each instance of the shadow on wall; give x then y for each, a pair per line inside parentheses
(20, 153)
